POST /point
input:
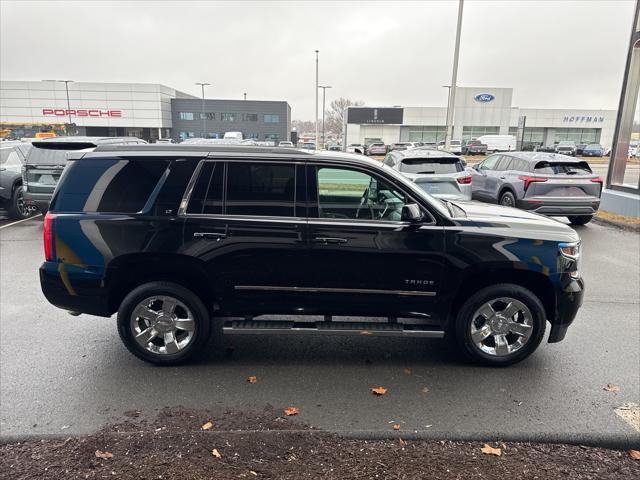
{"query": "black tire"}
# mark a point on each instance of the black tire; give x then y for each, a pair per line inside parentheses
(507, 199)
(579, 219)
(465, 318)
(202, 322)
(17, 210)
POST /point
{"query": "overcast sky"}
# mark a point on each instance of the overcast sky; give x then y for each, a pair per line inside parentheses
(555, 54)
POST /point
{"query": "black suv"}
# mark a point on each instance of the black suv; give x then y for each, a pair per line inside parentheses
(177, 239)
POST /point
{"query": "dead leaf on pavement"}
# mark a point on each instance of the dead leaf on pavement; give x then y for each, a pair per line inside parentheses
(407, 371)
(216, 453)
(378, 390)
(402, 442)
(396, 426)
(253, 473)
(612, 388)
(635, 454)
(425, 390)
(489, 450)
(252, 379)
(291, 411)
(207, 426)
(104, 455)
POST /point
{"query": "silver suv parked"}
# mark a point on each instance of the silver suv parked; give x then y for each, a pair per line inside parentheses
(546, 183)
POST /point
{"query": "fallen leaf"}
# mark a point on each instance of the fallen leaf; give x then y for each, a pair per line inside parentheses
(396, 426)
(635, 454)
(611, 388)
(289, 411)
(207, 426)
(402, 442)
(104, 455)
(252, 379)
(365, 332)
(378, 390)
(407, 371)
(253, 473)
(216, 453)
(425, 390)
(488, 450)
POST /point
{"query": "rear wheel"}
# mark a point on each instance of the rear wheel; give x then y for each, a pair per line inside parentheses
(500, 325)
(17, 208)
(507, 199)
(163, 323)
(579, 219)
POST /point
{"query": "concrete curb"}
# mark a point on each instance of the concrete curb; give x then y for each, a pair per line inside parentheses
(620, 225)
(620, 441)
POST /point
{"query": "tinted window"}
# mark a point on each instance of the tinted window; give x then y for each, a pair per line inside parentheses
(180, 172)
(206, 196)
(5, 153)
(109, 186)
(350, 194)
(260, 189)
(555, 168)
(490, 162)
(431, 165)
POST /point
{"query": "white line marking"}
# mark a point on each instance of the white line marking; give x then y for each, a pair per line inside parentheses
(20, 221)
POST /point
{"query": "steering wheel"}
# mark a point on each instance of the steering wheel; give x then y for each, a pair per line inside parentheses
(363, 200)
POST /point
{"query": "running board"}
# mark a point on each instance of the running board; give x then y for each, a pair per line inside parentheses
(329, 328)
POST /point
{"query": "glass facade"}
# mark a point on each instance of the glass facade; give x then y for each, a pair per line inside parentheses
(185, 115)
(228, 117)
(426, 134)
(272, 119)
(577, 135)
(469, 133)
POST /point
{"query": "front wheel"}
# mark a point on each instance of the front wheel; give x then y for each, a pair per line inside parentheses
(579, 219)
(500, 325)
(163, 323)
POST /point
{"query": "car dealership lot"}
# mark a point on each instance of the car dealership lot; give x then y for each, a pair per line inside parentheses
(67, 375)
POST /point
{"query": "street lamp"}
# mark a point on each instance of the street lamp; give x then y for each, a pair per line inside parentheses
(454, 77)
(447, 118)
(324, 90)
(204, 118)
(317, 140)
(66, 87)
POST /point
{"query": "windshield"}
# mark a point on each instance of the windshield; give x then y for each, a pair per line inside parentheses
(431, 165)
(566, 168)
(594, 146)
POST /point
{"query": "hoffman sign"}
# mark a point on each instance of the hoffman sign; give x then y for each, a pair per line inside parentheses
(583, 118)
(91, 112)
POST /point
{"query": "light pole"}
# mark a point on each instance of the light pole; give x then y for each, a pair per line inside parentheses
(448, 100)
(454, 77)
(204, 118)
(66, 87)
(324, 90)
(317, 140)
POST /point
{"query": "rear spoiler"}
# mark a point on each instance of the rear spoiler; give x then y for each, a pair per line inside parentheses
(64, 145)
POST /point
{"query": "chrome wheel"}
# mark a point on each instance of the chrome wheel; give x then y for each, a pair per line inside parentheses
(501, 326)
(162, 325)
(21, 207)
(507, 201)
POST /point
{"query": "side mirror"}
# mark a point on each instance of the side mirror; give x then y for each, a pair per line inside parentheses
(411, 213)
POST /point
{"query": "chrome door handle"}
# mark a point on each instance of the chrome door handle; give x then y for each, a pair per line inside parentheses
(327, 240)
(502, 178)
(210, 235)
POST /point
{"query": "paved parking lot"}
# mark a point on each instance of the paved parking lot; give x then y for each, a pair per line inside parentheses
(66, 375)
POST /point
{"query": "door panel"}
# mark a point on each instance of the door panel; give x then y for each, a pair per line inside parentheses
(368, 266)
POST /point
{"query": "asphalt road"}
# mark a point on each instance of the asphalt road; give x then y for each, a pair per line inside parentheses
(65, 375)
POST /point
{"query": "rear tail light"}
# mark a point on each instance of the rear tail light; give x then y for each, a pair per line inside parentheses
(49, 238)
(464, 180)
(529, 180)
(597, 180)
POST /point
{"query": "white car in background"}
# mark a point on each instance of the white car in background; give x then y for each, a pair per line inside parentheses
(455, 146)
(498, 143)
(285, 144)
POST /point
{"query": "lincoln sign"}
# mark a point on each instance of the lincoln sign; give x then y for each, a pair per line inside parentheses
(92, 112)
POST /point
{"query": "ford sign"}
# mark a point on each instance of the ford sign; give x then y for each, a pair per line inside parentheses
(484, 98)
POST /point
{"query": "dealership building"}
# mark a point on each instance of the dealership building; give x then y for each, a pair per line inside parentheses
(479, 111)
(144, 110)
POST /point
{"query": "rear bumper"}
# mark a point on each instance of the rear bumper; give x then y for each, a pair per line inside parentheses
(39, 200)
(568, 301)
(559, 207)
(75, 289)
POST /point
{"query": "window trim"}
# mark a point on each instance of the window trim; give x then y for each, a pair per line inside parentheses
(184, 203)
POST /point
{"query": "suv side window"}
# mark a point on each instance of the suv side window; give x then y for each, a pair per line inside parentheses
(264, 189)
(490, 163)
(206, 197)
(388, 160)
(350, 194)
(503, 164)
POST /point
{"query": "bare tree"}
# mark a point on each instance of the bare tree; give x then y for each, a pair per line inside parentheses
(303, 126)
(335, 114)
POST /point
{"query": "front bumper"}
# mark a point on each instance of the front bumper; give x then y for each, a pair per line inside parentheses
(569, 299)
(558, 207)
